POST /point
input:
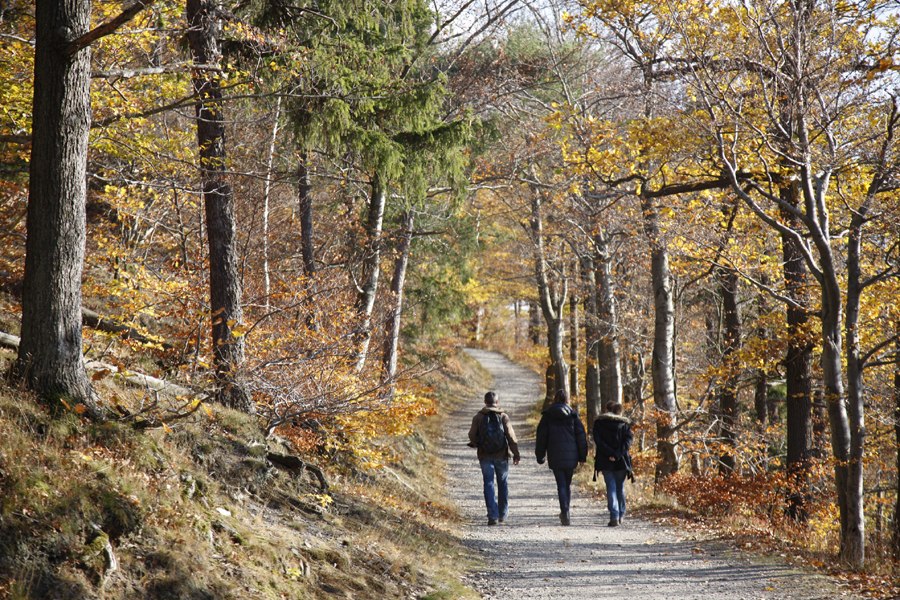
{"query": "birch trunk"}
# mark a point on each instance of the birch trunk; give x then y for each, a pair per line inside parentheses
(392, 333)
(371, 271)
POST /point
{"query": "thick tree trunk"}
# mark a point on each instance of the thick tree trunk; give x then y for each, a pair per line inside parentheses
(304, 195)
(731, 341)
(591, 337)
(798, 362)
(365, 302)
(50, 358)
(855, 388)
(609, 360)
(224, 283)
(392, 330)
(662, 367)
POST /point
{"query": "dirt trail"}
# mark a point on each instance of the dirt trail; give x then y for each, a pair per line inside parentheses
(533, 557)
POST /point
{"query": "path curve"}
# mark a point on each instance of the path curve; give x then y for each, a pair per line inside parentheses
(532, 557)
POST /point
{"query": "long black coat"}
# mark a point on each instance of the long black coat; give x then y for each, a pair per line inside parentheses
(612, 436)
(560, 437)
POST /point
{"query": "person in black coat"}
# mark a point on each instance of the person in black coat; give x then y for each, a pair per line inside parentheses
(612, 436)
(562, 440)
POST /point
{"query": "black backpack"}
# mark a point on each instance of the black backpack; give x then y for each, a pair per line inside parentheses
(493, 435)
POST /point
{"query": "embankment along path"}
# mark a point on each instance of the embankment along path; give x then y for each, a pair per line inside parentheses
(533, 557)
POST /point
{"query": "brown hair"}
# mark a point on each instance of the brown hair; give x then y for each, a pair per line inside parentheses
(614, 408)
(490, 398)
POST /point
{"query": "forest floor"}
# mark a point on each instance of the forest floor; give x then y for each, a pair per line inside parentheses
(532, 556)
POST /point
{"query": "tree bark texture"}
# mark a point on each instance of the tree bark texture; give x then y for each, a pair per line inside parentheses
(218, 200)
(609, 359)
(50, 358)
(591, 336)
(552, 299)
(574, 329)
(534, 322)
(855, 385)
(662, 369)
(392, 330)
(727, 280)
(304, 194)
(798, 360)
(895, 539)
(371, 270)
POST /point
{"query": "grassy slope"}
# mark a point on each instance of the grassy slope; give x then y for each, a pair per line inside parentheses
(198, 513)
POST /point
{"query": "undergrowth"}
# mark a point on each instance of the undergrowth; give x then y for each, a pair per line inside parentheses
(195, 511)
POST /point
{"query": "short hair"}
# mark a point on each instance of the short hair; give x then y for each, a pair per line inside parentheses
(561, 396)
(614, 408)
(490, 398)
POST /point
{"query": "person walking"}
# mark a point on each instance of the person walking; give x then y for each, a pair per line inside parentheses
(612, 437)
(562, 440)
(493, 435)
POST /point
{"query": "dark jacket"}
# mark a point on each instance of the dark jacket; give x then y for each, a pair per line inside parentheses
(511, 441)
(612, 436)
(560, 437)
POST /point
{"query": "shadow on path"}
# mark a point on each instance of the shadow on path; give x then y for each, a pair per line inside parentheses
(533, 557)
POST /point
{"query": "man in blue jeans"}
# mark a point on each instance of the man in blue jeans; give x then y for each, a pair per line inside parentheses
(492, 434)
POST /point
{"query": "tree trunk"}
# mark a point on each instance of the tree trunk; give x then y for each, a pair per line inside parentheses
(365, 302)
(609, 360)
(895, 538)
(534, 323)
(798, 362)
(574, 329)
(632, 392)
(306, 215)
(224, 284)
(731, 341)
(267, 189)
(591, 336)
(855, 392)
(50, 358)
(552, 300)
(662, 367)
(392, 334)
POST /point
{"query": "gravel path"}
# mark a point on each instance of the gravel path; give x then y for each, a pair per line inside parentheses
(533, 557)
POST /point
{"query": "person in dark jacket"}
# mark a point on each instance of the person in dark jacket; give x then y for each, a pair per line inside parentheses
(612, 437)
(494, 463)
(562, 440)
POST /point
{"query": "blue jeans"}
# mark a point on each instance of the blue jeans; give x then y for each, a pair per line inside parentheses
(496, 507)
(615, 493)
(564, 487)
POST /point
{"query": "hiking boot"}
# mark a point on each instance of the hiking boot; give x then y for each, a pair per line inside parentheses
(564, 518)
(492, 521)
(503, 519)
(613, 523)
(620, 520)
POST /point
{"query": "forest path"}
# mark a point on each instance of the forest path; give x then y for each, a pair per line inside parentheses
(533, 557)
